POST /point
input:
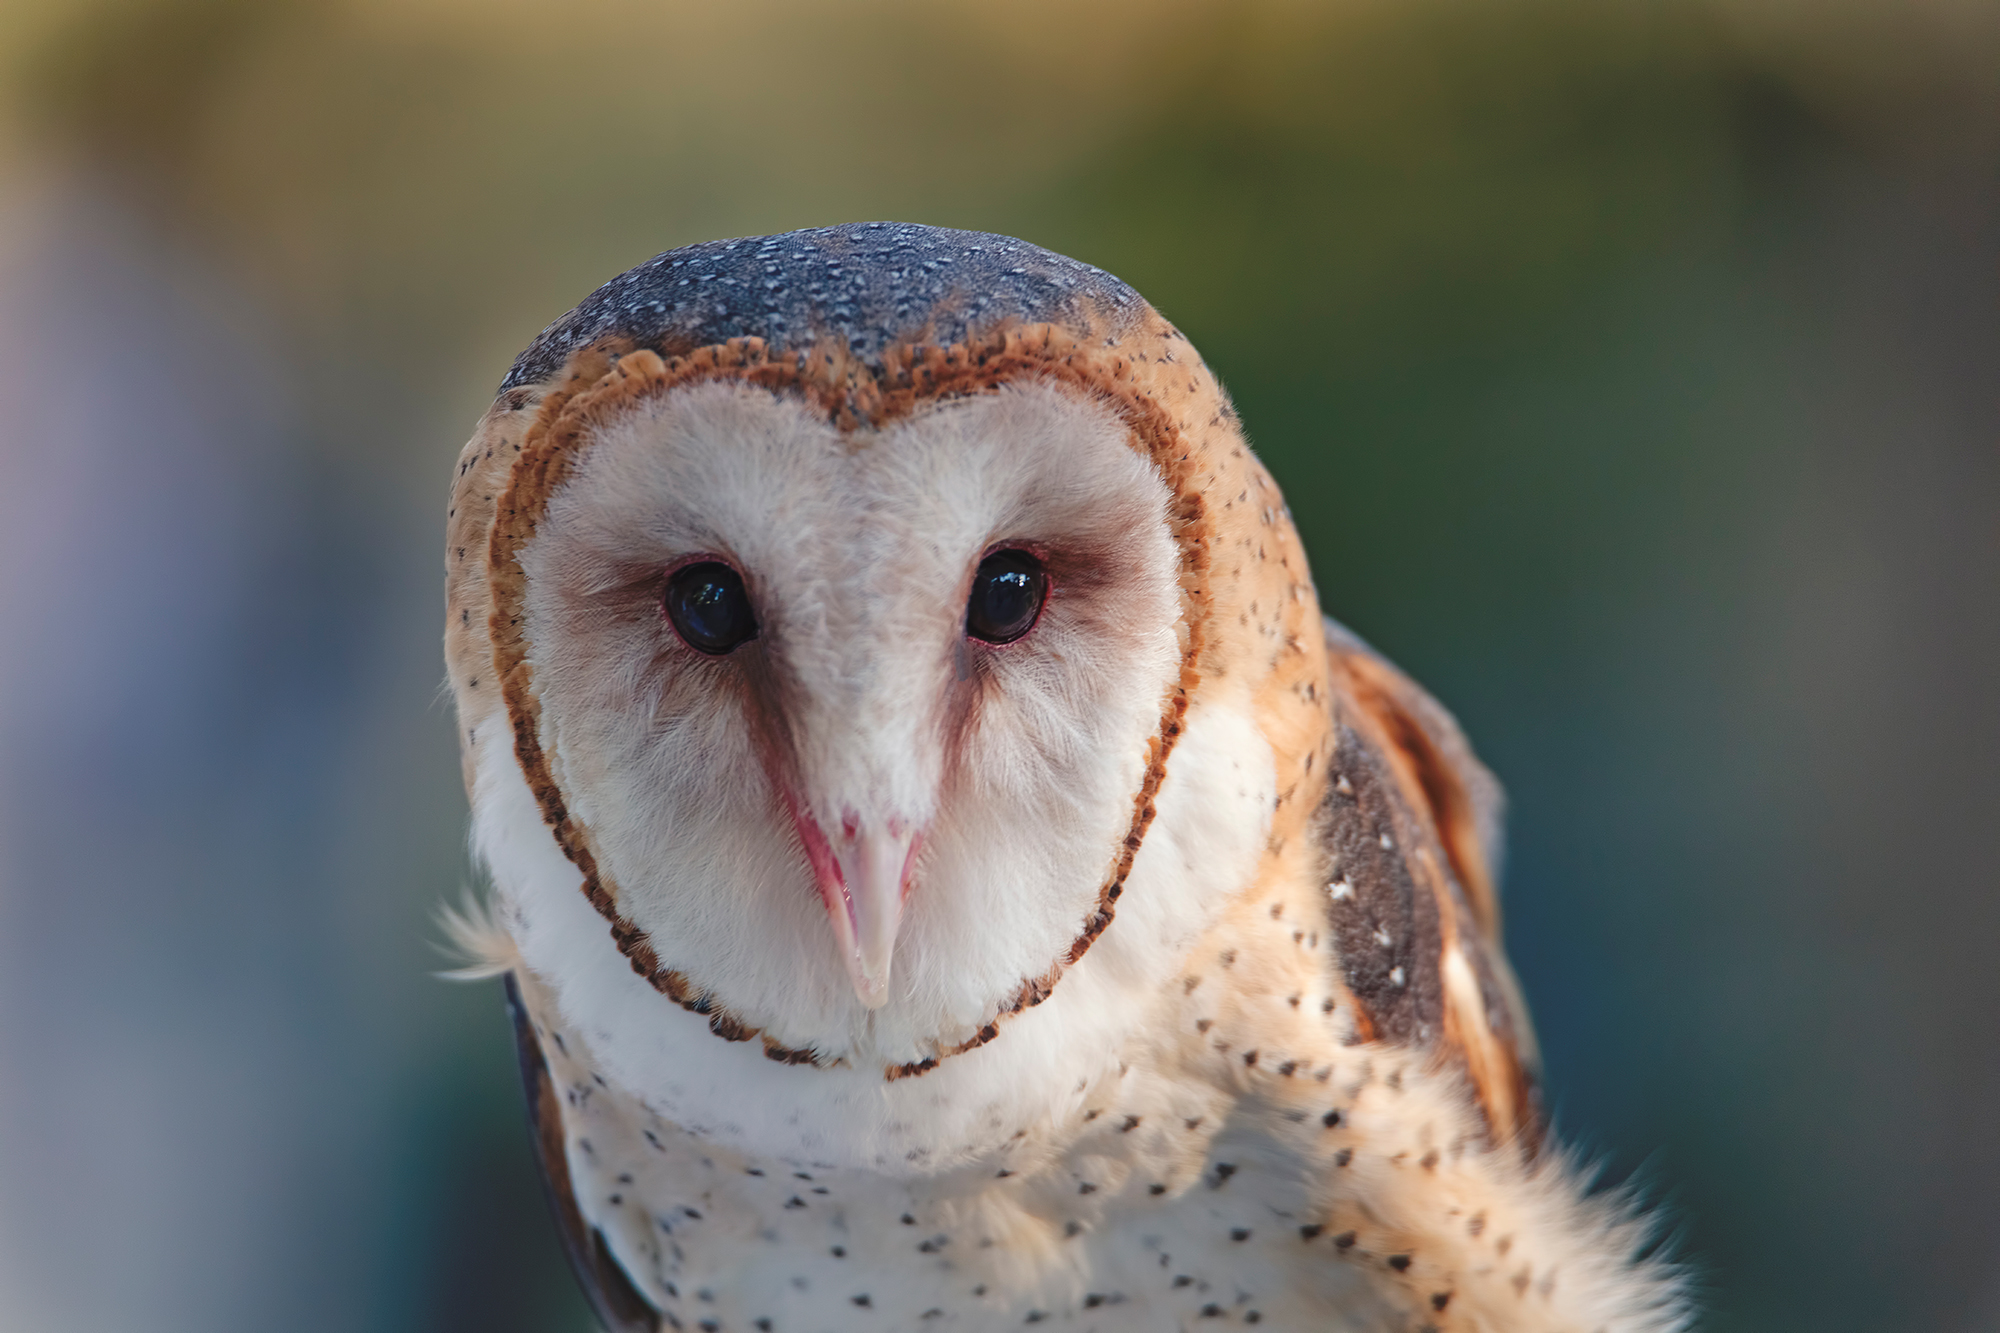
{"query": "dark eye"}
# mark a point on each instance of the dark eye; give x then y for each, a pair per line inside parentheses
(709, 606)
(1007, 594)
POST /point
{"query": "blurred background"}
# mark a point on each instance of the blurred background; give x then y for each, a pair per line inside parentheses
(1632, 367)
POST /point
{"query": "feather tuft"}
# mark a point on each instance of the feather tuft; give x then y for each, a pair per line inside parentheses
(473, 933)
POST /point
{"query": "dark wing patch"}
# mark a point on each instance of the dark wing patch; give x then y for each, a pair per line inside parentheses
(1410, 825)
(1385, 923)
(1433, 759)
(616, 1302)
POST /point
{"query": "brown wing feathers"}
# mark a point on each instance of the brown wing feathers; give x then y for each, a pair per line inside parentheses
(1410, 827)
(1432, 757)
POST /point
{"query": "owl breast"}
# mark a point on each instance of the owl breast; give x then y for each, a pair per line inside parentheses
(1138, 1205)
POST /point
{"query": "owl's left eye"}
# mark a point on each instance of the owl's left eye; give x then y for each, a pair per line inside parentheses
(1008, 589)
(710, 607)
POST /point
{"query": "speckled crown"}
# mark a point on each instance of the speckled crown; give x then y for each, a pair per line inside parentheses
(868, 286)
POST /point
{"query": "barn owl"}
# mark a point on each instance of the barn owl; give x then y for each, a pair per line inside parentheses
(947, 872)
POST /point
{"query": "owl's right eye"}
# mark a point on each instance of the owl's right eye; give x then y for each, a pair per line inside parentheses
(710, 607)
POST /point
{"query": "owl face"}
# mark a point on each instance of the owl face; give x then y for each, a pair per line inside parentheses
(853, 719)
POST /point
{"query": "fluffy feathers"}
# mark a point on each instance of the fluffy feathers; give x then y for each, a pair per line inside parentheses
(473, 932)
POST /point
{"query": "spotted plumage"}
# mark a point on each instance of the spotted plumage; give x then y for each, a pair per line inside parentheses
(1134, 967)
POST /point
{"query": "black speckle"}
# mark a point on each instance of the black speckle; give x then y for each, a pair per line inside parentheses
(1239, 1234)
(1211, 1311)
(838, 1251)
(1344, 1241)
(1343, 1157)
(795, 1202)
(1131, 1123)
(1086, 1188)
(1036, 1316)
(909, 1221)
(761, 1325)
(1156, 1189)
(1330, 1119)
(1440, 1299)
(1253, 1316)
(1400, 1262)
(1310, 1231)
(863, 1301)
(1183, 1280)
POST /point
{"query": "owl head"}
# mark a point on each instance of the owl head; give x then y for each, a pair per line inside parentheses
(829, 609)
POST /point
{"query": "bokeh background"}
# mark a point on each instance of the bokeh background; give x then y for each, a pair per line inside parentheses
(1632, 366)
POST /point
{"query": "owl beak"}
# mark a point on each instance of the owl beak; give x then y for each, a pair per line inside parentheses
(863, 874)
(874, 865)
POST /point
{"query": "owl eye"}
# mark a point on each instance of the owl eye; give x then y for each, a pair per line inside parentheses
(710, 607)
(1007, 594)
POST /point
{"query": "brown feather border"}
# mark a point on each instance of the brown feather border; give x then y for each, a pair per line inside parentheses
(607, 378)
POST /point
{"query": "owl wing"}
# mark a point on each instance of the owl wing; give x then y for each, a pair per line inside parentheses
(1408, 1093)
(616, 1302)
(1411, 828)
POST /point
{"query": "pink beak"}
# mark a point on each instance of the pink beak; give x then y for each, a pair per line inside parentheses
(863, 879)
